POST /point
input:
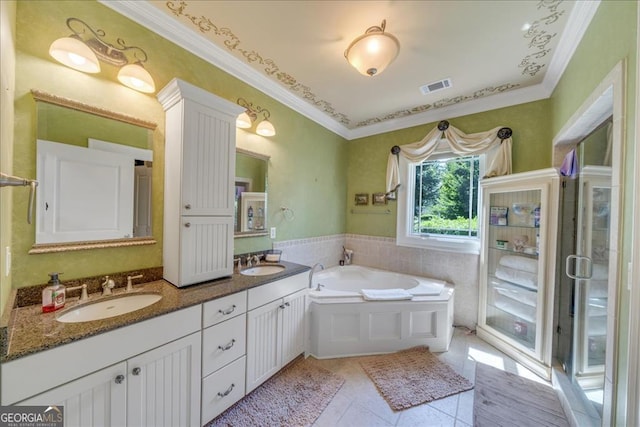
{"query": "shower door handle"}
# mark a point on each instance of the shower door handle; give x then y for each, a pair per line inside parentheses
(579, 260)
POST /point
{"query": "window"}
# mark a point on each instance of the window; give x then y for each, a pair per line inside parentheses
(439, 206)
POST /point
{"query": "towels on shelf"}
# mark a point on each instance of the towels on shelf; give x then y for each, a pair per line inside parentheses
(523, 311)
(516, 293)
(529, 265)
(385, 294)
(519, 277)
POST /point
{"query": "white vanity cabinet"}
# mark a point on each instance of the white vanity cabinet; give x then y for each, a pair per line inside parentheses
(517, 265)
(144, 374)
(275, 327)
(223, 354)
(199, 183)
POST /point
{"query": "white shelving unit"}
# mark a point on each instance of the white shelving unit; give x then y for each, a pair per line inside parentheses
(517, 265)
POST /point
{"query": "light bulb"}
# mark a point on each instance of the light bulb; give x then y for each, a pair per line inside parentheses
(137, 78)
(265, 128)
(73, 53)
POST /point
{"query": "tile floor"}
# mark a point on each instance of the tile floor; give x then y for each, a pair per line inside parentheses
(358, 403)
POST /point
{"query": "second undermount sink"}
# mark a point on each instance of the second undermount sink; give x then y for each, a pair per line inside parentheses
(108, 307)
(263, 270)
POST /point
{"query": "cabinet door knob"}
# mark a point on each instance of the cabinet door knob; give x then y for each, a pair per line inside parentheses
(187, 224)
(136, 371)
(228, 310)
(227, 391)
(287, 304)
(282, 306)
(187, 206)
(228, 346)
(119, 379)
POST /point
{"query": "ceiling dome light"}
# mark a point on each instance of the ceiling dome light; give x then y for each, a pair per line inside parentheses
(265, 128)
(243, 121)
(74, 54)
(137, 78)
(373, 51)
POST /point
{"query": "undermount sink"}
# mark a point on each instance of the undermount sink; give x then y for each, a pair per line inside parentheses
(108, 307)
(263, 270)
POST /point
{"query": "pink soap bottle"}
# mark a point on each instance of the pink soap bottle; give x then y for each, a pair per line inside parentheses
(54, 295)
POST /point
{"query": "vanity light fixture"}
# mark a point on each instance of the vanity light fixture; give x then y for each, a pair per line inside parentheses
(83, 50)
(373, 51)
(245, 120)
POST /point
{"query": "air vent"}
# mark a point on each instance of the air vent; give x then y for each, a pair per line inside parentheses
(435, 86)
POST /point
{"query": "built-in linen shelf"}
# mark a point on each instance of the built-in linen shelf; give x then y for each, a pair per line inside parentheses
(371, 211)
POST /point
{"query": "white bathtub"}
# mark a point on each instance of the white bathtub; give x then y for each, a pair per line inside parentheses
(343, 323)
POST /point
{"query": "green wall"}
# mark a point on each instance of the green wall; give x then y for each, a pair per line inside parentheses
(610, 38)
(368, 156)
(308, 164)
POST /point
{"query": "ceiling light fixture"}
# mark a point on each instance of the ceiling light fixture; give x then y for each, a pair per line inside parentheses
(245, 120)
(83, 50)
(373, 51)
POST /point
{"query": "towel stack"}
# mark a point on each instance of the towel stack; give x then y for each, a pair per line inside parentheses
(516, 286)
(519, 270)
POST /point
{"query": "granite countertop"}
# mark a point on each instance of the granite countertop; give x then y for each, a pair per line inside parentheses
(30, 331)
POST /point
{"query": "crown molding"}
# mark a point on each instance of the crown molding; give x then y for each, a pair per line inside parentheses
(577, 24)
(162, 24)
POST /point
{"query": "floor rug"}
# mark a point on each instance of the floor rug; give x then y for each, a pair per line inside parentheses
(505, 399)
(296, 396)
(414, 376)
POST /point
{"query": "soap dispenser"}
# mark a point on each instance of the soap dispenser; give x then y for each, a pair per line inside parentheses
(54, 295)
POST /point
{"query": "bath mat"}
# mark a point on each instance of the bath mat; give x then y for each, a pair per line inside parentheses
(296, 396)
(505, 399)
(412, 377)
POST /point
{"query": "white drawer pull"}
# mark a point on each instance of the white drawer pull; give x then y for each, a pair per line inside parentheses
(228, 346)
(226, 393)
(228, 311)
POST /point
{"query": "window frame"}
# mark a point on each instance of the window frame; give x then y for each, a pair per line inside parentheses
(404, 235)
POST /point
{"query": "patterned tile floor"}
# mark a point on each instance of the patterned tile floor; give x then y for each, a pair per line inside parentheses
(358, 403)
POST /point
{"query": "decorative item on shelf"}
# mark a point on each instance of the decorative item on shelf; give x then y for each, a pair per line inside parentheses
(498, 215)
(245, 120)
(519, 242)
(523, 214)
(379, 198)
(83, 50)
(273, 255)
(362, 199)
(502, 244)
(373, 51)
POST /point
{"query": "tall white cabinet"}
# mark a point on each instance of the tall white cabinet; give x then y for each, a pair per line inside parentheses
(199, 184)
(517, 265)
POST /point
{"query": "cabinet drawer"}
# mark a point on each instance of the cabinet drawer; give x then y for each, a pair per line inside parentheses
(223, 343)
(225, 308)
(222, 389)
(261, 295)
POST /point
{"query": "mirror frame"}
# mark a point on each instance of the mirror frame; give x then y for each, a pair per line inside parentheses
(266, 158)
(41, 96)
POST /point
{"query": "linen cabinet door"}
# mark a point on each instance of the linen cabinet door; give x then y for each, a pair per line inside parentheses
(164, 385)
(264, 343)
(293, 326)
(209, 161)
(206, 248)
(95, 400)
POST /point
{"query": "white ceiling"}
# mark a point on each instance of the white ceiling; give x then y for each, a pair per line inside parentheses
(294, 52)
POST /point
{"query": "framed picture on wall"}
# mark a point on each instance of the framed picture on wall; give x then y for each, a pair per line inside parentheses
(362, 199)
(379, 198)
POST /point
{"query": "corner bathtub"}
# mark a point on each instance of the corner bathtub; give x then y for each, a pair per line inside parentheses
(343, 323)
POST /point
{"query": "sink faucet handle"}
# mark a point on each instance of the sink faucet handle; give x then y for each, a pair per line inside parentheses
(84, 295)
(130, 281)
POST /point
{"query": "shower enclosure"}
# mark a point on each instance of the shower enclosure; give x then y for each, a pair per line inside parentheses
(583, 269)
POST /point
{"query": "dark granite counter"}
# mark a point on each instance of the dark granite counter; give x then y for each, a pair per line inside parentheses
(29, 331)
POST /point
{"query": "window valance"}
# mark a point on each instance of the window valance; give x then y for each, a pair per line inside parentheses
(495, 142)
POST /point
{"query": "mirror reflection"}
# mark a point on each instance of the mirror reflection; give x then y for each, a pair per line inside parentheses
(94, 175)
(250, 217)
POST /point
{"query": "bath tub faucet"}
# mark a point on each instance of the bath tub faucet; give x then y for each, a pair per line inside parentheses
(311, 273)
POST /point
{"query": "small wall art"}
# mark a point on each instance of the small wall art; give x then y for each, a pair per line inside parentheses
(379, 198)
(362, 199)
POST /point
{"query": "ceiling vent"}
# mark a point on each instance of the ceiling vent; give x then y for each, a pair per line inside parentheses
(435, 86)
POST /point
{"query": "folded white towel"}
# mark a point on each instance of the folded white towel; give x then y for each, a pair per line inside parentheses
(600, 272)
(529, 265)
(385, 294)
(426, 289)
(598, 288)
(522, 311)
(524, 296)
(519, 277)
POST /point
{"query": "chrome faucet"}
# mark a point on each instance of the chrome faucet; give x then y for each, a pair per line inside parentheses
(107, 286)
(311, 273)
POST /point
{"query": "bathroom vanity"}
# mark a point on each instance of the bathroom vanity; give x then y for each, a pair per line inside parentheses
(181, 361)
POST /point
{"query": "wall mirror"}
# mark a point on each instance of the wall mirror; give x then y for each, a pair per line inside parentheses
(250, 217)
(94, 172)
